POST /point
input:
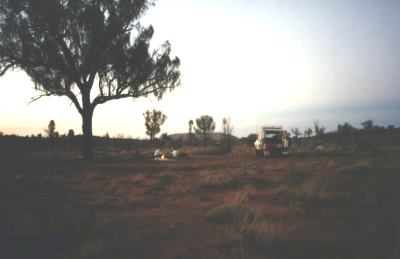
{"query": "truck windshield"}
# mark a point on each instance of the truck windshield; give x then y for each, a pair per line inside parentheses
(271, 135)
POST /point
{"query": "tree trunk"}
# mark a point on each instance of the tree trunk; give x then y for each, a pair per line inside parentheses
(87, 116)
(87, 135)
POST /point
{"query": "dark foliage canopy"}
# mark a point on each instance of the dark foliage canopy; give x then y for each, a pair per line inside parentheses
(67, 44)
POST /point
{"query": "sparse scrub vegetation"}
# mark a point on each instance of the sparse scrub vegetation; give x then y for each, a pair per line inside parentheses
(237, 198)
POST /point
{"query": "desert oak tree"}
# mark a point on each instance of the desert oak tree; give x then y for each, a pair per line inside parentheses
(227, 129)
(205, 125)
(69, 47)
(190, 131)
(51, 129)
(153, 121)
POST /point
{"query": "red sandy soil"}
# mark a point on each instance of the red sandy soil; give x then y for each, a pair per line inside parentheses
(135, 208)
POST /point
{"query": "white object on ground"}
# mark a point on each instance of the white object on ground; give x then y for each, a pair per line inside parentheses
(319, 148)
(175, 153)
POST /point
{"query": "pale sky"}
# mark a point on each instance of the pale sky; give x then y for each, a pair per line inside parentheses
(259, 62)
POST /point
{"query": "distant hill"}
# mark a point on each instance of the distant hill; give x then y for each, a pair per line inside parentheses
(216, 136)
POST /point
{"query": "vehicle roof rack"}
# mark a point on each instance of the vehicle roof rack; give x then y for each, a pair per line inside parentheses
(272, 128)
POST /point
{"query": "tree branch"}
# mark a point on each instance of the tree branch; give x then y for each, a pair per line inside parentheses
(37, 98)
(4, 70)
(68, 56)
(67, 93)
(74, 100)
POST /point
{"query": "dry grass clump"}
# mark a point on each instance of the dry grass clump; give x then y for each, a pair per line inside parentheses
(218, 180)
(60, 230)
(298, 177)
(236, 219)
(231, 213)
(265, 234)
(235, 212)
(357, 169)
(303, 187)
(165, 180)
(243, 149)
(232, 177)
(241, 222)
(243, 196)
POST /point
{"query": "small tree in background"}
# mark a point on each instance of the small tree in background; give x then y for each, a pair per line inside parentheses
(71, 133)
(153, 121)
(296, 132)
(319, 130)
(165, 139)
(51, 129)
(391, 127)
(107, 138)
(190, 131)
(227, 129)
(250, 139)
(1, 134)
(205, 125)
(308, 132)
(368, 124)
(345, 135)
(345, 129)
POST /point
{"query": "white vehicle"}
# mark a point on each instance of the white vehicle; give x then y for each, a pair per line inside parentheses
(272, 141)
